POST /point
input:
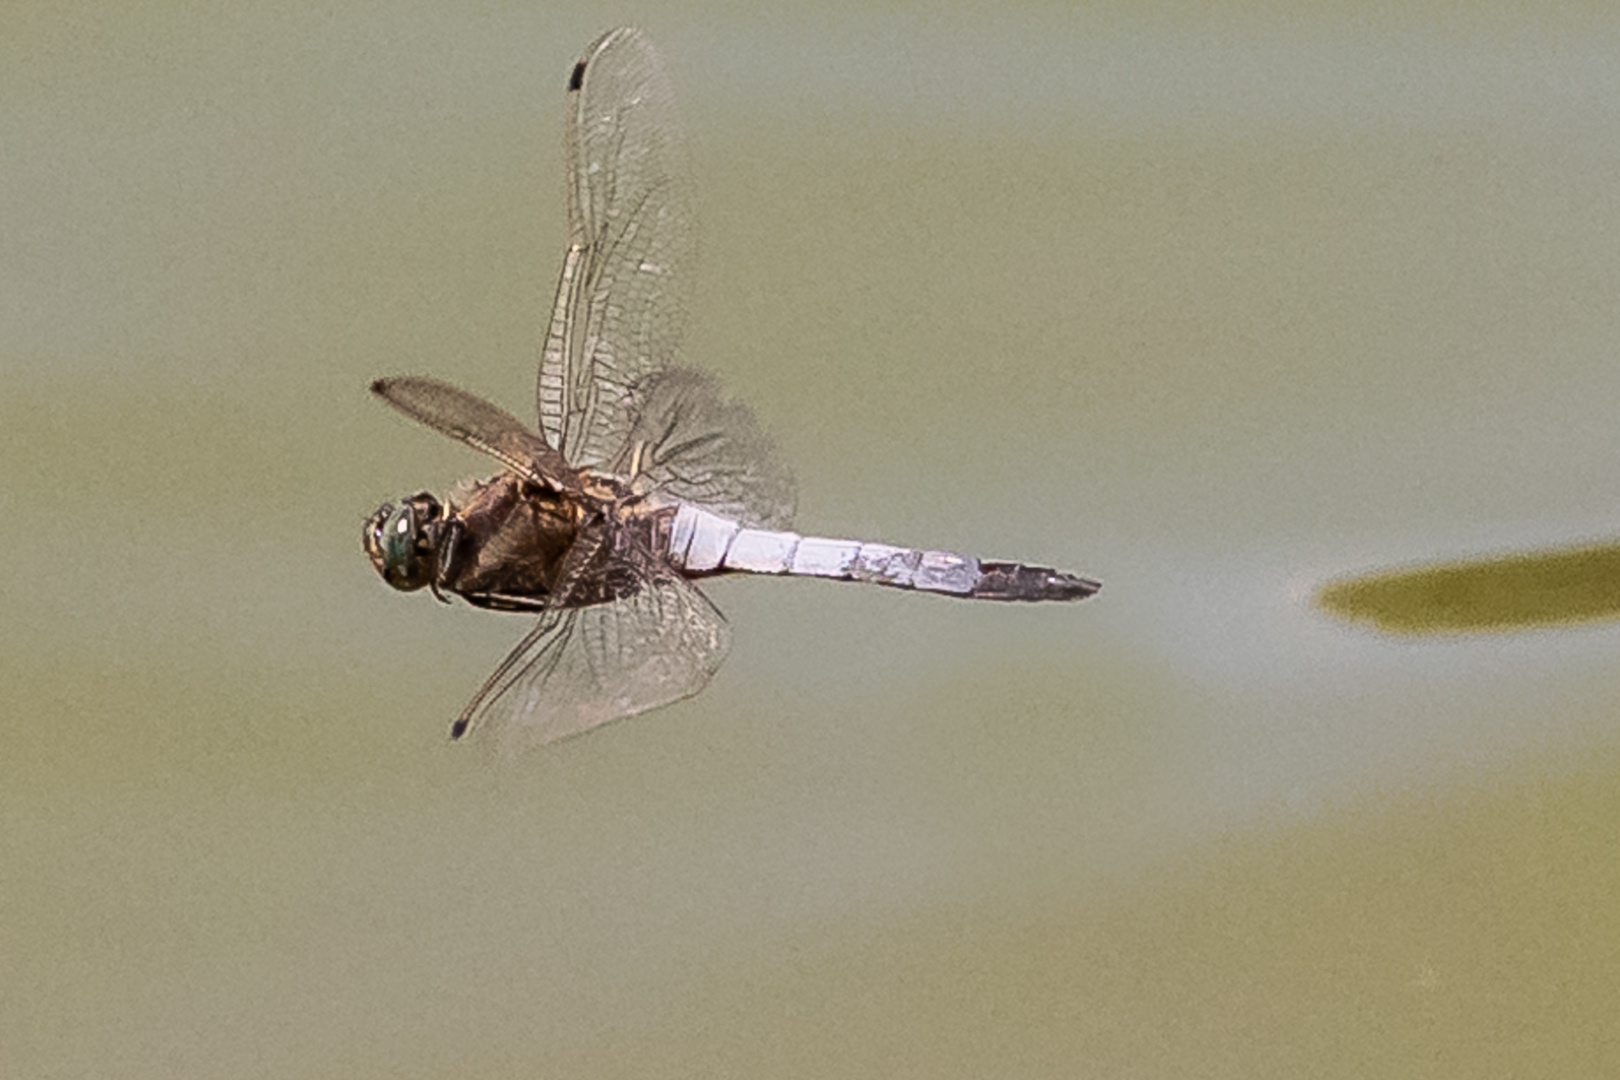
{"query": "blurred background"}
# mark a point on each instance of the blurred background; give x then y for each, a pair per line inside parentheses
(1218, 304)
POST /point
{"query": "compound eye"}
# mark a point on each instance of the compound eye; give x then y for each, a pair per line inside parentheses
(372, 536)
(399, 540)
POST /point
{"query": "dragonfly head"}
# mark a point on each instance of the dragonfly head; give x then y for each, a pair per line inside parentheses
(403, 541)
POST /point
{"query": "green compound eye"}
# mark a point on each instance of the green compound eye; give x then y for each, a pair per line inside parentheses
(398, 540)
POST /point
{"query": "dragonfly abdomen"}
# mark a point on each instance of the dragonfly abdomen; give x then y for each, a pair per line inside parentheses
(705, 543)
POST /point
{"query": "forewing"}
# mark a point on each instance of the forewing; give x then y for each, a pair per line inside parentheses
(658, 642)
(476, 422)
(688, 441)
(621, 296)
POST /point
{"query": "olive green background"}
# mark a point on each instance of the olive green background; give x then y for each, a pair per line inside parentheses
(1220, 305)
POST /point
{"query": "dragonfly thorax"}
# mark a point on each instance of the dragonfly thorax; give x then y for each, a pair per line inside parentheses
(403, 541)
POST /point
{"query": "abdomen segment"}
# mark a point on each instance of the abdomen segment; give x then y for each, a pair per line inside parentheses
(705, 543)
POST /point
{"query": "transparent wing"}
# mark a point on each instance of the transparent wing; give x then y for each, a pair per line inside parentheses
(474, 421)
(656, 640)
(620, 299)
(688, 441)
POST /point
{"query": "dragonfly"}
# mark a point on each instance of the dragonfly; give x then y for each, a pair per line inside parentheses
(642, 477)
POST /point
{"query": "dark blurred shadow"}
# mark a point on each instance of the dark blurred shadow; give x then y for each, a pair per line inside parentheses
(1548, 588)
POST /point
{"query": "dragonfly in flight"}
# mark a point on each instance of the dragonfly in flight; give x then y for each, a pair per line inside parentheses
(642, 477)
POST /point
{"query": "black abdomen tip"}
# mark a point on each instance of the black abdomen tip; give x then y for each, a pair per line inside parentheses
(1015, 581)
(459, 728)
(576, 78)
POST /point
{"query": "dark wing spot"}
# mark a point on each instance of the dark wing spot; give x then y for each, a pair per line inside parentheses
(576, 78)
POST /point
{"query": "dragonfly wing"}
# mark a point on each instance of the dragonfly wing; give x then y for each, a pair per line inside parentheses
(474, 421)
(621, 296)
(690, 442)
(654, 641)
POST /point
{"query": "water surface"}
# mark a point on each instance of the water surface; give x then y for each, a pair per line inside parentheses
(1216, 309)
